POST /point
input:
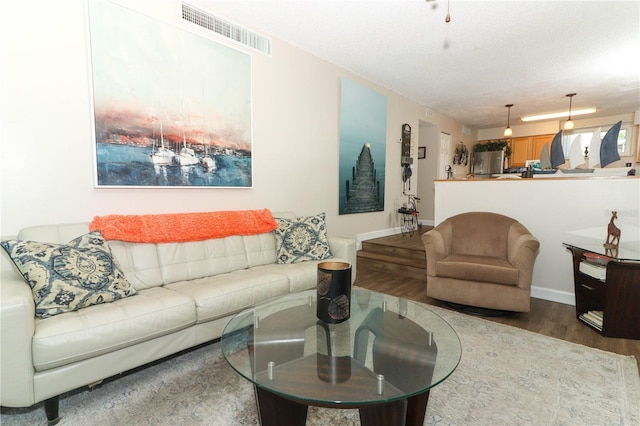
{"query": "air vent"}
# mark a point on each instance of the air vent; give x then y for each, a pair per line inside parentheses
(226, 29)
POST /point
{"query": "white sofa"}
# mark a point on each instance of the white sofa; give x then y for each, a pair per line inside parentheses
(186, 294)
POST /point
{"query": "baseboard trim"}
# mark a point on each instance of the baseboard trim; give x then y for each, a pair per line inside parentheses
(553, 295)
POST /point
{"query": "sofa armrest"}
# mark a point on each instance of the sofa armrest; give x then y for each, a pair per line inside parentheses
(17, 325)
(345, 248)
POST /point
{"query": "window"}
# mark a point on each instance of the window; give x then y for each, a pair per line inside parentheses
(586, 134)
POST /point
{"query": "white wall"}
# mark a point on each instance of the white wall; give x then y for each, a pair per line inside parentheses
(555, 211)
(47, 142)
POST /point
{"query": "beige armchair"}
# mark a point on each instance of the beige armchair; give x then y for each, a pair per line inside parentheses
(481, 259)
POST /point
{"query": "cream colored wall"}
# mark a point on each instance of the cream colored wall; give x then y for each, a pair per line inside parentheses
(430, 131)
(519, 130)
(453, 128)
(47, 141)
(427, 171)
(555, 211)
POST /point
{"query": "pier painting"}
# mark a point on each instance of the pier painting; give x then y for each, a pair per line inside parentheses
(363, 130)
(171, 108)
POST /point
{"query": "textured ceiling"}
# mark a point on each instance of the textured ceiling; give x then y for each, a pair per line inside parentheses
(492, 53)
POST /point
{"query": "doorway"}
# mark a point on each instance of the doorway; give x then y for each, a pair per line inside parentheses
(428, 169)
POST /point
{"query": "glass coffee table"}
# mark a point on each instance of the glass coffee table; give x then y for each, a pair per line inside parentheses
(383, 360)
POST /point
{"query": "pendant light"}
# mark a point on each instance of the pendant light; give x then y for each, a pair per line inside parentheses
(568, 125)
(448, 18)
(507, 131)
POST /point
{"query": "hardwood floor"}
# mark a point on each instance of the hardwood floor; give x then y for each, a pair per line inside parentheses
(548, 318)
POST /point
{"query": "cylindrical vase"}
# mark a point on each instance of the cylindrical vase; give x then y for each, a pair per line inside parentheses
(334, 292)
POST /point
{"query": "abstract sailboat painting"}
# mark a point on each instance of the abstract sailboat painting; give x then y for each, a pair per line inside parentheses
(172, 108)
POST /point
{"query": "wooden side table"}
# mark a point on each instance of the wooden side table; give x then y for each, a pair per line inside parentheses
(616, 298)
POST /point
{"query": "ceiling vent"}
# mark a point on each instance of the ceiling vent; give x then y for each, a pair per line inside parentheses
(226, 29)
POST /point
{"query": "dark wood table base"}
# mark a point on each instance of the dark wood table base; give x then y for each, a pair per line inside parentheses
(275, 410)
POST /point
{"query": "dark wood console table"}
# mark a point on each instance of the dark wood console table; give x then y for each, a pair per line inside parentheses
(613, 298)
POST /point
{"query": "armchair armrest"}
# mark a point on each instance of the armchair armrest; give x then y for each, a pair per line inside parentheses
(522, 249)
(436, 246)
(17, 326)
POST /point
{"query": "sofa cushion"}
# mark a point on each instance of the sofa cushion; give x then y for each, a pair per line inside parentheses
(260, 249)
(68, 277)
(301, 239)
(139, 262)
(222, 295)
(301, 276)
(101, 329)
(199, 259)
(57, 234)
(477, 268)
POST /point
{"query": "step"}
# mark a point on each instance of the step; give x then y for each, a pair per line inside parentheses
(408, 252)
(405, 267)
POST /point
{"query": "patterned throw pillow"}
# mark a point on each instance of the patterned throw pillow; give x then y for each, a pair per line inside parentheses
(65, 278)
(300, 239)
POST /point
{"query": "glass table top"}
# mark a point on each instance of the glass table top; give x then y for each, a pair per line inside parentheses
(389, 349)
(626, 251)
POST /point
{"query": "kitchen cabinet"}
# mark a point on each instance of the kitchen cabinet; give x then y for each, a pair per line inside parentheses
(537, 144)
(520, 151)
(528, 148)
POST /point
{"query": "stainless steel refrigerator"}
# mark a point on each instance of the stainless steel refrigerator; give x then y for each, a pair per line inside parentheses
(487, 162)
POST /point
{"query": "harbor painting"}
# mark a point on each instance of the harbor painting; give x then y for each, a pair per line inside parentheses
(363, 130)
(171, 108)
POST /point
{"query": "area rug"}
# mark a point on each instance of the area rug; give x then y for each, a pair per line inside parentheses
(507, 376)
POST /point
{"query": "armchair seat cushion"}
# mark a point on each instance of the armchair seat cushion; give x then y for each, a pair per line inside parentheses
(478, 268)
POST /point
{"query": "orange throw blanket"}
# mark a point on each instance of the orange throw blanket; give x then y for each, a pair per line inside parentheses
(181, 227)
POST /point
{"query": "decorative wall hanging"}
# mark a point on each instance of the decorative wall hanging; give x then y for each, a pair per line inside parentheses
(461, 156)
(363, 130)
(422, 152)
(172, 109)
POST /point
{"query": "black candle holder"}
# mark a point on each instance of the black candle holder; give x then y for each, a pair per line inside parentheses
(334, 292)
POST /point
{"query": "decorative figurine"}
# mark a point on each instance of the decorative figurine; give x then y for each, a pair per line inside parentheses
(461, 155)
(613, 236)
(449, 172)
